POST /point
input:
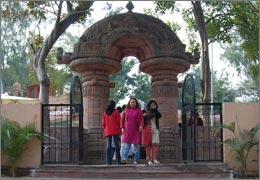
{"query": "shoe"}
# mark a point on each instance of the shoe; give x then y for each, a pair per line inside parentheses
(150, 163)
(135, 162)
(123, 161)
(156, 162)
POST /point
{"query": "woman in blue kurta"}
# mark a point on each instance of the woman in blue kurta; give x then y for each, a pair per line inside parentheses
(131, 125)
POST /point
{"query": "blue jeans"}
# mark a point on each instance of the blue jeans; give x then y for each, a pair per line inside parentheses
(136, 152)
(109, 149)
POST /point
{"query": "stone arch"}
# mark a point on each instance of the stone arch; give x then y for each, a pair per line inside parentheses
(132, 34)
(99, 53)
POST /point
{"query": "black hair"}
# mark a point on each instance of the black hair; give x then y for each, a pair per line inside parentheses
(119, 109)
(148, 106)
(110, 107)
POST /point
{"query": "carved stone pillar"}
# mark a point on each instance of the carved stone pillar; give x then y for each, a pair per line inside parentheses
(95, 85)
(164, 86)
(164, 89)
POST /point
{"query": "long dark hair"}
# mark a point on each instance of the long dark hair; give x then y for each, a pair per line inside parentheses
(153, 113)
(110, 107)
(148, 106)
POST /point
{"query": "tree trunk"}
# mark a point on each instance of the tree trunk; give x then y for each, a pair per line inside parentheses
(205, 79)
(44, 85)
(42, 53)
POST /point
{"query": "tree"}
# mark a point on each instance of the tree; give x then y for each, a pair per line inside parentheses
(122, 80)
(222, 88)
(222, 19)
(225, 18)
(60, 76)
(235, 56)
(111, 10)
(76, 12)
(198, 23)
(205, 70)
(128, 84)
(14, 61)
(142, 87)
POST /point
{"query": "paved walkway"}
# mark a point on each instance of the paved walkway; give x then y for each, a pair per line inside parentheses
(35, 178)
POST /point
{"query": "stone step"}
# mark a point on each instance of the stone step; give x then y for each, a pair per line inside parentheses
(129, 171)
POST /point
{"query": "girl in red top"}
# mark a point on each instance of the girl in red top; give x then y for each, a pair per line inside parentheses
(150, 133)
(111, 126)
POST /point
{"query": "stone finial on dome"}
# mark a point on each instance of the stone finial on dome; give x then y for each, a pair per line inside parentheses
(130, 6)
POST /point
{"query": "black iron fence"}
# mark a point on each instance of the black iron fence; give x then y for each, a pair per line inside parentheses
(61, 128)
(199, 140)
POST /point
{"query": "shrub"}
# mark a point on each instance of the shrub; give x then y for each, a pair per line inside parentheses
(13, 139)
(241, 143)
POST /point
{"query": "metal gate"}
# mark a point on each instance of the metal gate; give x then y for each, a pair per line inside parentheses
(208, 144)
(62, 125)
(187, 114)
(199, 141)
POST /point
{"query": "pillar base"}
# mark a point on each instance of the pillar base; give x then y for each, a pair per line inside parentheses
(169, 147)
(94, 146)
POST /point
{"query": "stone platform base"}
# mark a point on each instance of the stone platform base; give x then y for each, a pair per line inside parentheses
(129, 171)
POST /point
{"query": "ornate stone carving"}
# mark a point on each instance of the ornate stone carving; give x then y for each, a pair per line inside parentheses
(176, 65)
(158, 40)
(63, 58)
(82, 65)
(130, 6)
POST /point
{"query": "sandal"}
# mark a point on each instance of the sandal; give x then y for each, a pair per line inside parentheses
(156, 162)
(123, 161)
(150, 163)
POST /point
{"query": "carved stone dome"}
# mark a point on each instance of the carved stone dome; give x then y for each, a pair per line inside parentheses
(130, 34)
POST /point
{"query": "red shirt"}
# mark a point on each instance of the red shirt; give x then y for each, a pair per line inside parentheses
(111, 123)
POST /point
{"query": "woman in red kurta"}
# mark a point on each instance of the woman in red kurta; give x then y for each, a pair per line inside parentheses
(150, 133)
(131, 125)
(111, 126)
